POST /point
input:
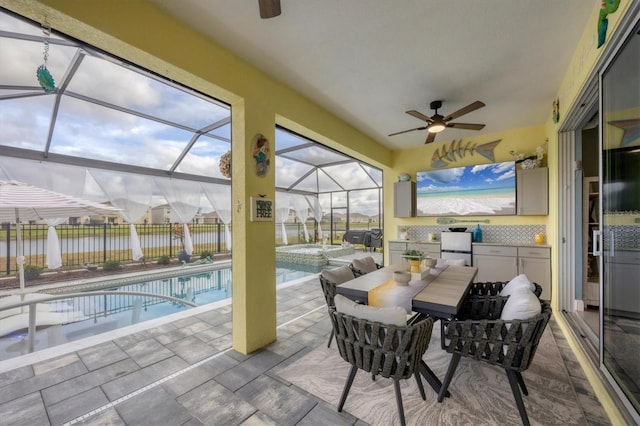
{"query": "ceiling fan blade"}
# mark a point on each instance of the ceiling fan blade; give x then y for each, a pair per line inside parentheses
(419, 115)
(269, 8)
(468, 126)
(462, 111)
(410, 130)
(430, 137)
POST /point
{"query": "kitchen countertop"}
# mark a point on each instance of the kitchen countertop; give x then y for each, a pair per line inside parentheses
(475, 244)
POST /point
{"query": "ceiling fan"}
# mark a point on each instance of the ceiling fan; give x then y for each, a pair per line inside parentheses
(269, 8)
(437, 123)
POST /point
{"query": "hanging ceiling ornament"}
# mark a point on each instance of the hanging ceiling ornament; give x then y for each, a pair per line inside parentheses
(44, 76)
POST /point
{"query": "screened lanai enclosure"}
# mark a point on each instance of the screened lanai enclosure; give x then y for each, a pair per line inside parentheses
(76, 120)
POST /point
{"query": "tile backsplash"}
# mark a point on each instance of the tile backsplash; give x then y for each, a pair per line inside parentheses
(502, 234)
(624, 236)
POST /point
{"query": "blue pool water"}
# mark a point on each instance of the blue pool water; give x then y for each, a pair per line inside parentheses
(105, 313)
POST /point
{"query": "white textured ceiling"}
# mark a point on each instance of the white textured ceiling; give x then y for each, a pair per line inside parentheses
(369, 61)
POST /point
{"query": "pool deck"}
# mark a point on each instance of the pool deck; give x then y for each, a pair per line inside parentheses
(181, 370)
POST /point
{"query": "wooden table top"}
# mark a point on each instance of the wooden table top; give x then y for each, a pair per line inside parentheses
(441, 295)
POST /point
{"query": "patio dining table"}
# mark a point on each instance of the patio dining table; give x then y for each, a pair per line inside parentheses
(439, 294)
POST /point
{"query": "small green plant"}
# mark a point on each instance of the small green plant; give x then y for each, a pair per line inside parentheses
(413, 253)
(32, 272)
(164, 260)
(111, 265)
(206, 253)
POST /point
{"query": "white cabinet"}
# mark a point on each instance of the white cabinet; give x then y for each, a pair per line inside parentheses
(404, 200)
(396, 248)
(502, 263)
(535, 263)
(429, 249)
(532, 191)
(495, 263)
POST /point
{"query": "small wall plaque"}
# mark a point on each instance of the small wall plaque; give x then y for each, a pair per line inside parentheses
(261, 209)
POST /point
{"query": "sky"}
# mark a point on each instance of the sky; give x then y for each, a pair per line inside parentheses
(482, 176)
(90, 130)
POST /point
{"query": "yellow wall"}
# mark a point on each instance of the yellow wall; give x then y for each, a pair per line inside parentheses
(524, 140)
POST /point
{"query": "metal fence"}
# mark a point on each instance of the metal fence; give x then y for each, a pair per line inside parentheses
(97, 244)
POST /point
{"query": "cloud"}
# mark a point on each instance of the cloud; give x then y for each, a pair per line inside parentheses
(442, 176)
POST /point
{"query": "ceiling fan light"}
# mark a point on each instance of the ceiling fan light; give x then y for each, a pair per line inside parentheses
(436, 128)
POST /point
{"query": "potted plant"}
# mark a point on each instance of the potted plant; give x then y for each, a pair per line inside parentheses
(414, 257)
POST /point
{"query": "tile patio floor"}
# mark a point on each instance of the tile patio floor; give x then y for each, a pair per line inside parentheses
(183, 372)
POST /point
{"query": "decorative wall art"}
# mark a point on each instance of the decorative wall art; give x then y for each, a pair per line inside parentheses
(42, 73)
(225, 164)
(556, 110)
(261, 209)
(484, 189)
(457, 150)
(607, 7)
(261, 153)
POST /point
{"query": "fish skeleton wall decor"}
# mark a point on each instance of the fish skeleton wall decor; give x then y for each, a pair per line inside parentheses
(443, 156)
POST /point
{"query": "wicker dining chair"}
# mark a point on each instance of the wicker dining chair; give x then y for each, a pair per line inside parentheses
(507, 344)
(329, 288)
(386, 350)
(483, 301)
(364, 266)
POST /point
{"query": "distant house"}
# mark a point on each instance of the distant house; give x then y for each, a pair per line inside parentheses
(161, 214)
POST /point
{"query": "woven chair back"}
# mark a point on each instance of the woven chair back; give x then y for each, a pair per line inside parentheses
(381, 349)
(329, 291)
(508, 344)
(485, 302)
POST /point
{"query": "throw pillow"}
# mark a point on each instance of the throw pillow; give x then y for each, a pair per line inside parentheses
(365, 265)
(392, 315)
(522, 304)
(518, 282)
(338, 275)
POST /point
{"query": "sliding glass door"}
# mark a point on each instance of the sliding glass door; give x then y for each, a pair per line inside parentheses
(619, 242)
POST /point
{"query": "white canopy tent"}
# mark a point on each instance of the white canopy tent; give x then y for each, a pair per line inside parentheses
(54, 177)
(20, 201)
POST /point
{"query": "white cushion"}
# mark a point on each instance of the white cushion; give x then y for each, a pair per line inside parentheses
(393, 315)
(455, 262)
(521, 281)
(522, 304)
(365, 265)
(338, 275)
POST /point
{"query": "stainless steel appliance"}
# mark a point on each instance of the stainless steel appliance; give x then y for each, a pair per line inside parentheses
(456, 245)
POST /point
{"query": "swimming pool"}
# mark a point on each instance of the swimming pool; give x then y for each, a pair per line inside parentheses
(103, 313)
